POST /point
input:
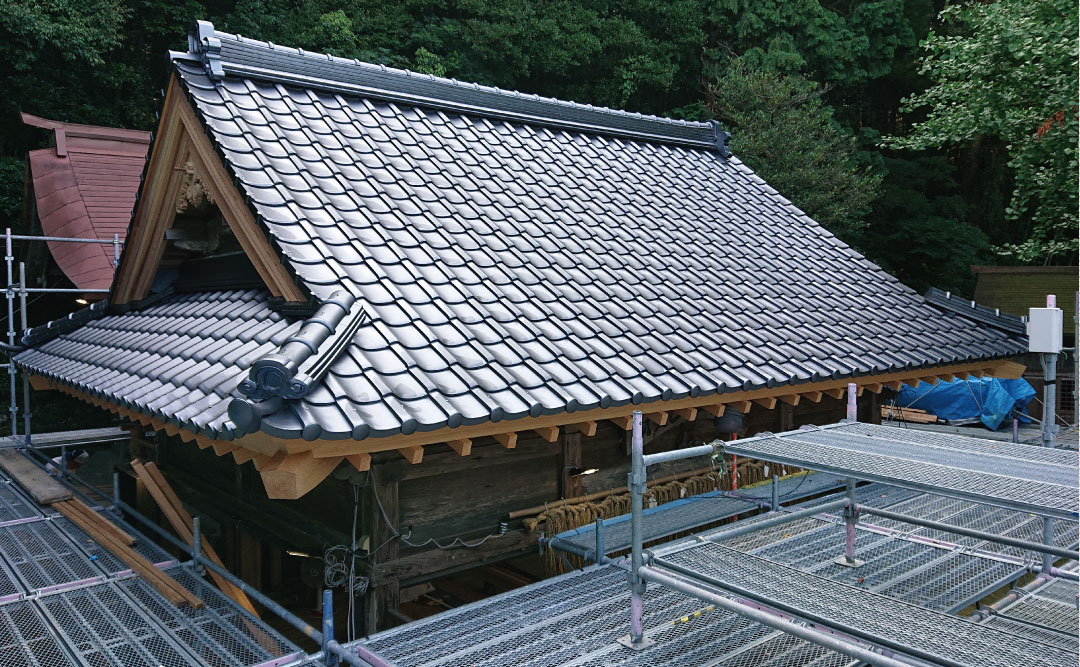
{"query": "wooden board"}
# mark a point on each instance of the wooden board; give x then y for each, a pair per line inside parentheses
(907, 414)
(182, 523)
(44, 489)
(97, 528)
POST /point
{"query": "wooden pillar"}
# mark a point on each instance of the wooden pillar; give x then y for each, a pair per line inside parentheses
(786, 416)
(276, 556)
(873, 406)
(571, 465)
(250, 558)
(385, 595)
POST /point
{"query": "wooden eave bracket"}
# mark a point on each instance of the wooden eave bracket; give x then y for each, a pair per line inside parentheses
(291, 468)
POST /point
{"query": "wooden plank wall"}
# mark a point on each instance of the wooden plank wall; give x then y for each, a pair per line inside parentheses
(446, 496)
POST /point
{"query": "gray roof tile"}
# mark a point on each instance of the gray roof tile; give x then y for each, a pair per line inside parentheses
(511, 265)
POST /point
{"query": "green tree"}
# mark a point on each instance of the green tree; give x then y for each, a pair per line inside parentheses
(1007, 70)
(782, 130)
(918, 231)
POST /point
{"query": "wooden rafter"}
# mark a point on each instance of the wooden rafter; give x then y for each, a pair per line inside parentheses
(715, 409)
(689, 414)
(292, 465)
(813, 396)
(625, 422)
(790, 399)
(463, 446)
(549, 433)
(587, 429)
(658, 418)
(294, 475)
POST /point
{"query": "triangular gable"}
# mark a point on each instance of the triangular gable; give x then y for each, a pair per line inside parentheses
(180, 152)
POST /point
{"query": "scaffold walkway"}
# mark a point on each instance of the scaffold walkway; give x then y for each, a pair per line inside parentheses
(695, 512)
(1020, 477)
(64, 600)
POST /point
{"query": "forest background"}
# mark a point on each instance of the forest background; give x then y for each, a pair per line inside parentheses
(929, 137)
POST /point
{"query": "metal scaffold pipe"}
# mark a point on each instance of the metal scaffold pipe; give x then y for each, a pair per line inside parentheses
(9, 258)
(970, 532)
(636, 483)
(772, 620)
(23, 321)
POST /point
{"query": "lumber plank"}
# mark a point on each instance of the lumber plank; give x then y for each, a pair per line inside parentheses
(790, 399)
(169, 588)
(80, 507)
(36, 481)
(507, 440)
(413, 455)
(182, 522)
(907, 414)
(768, 402)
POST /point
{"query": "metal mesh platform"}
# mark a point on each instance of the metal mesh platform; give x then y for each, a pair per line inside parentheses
(576, 619)
(65, 600)
(985, 471)
(906, 627)
(1052, 607)
(697, 511)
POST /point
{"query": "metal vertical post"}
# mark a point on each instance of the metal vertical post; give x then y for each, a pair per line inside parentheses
(196, 545)
(9, 258)
(636, 483)
(23, 325)
(329, 657)
(116, 250)
(116, 489)
(851, 515)
(1049, 427)
(599, 539)
(1049, 364)
(1016, 431)
(776, 493)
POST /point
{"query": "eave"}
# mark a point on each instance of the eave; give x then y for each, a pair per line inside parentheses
(291, 468)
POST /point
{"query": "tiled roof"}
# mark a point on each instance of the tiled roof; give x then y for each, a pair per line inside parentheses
(523, 268)
(84, 187)
(179, 359)
(1013, 324)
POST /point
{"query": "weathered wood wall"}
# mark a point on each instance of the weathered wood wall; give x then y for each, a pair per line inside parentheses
(446, 496)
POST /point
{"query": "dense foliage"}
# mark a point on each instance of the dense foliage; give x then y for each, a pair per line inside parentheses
(978, 164)
(1008, 70)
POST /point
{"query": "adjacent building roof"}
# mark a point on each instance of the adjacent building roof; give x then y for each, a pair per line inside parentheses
(1016, 289)
(85, 187)
(506, 256)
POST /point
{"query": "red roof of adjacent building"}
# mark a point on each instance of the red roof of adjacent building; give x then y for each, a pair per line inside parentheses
(85, 187)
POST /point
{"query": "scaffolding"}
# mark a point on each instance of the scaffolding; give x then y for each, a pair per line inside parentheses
(19, 291)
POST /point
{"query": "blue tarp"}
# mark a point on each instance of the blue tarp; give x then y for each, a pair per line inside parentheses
(990, 399)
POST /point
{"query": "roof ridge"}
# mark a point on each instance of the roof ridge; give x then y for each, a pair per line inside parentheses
(224, 54)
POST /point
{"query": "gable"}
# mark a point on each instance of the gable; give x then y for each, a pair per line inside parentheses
(181, 154)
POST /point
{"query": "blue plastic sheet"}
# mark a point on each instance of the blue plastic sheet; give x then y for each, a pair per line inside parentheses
(990, 399)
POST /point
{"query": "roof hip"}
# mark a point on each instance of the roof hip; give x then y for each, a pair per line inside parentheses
(223, 54)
